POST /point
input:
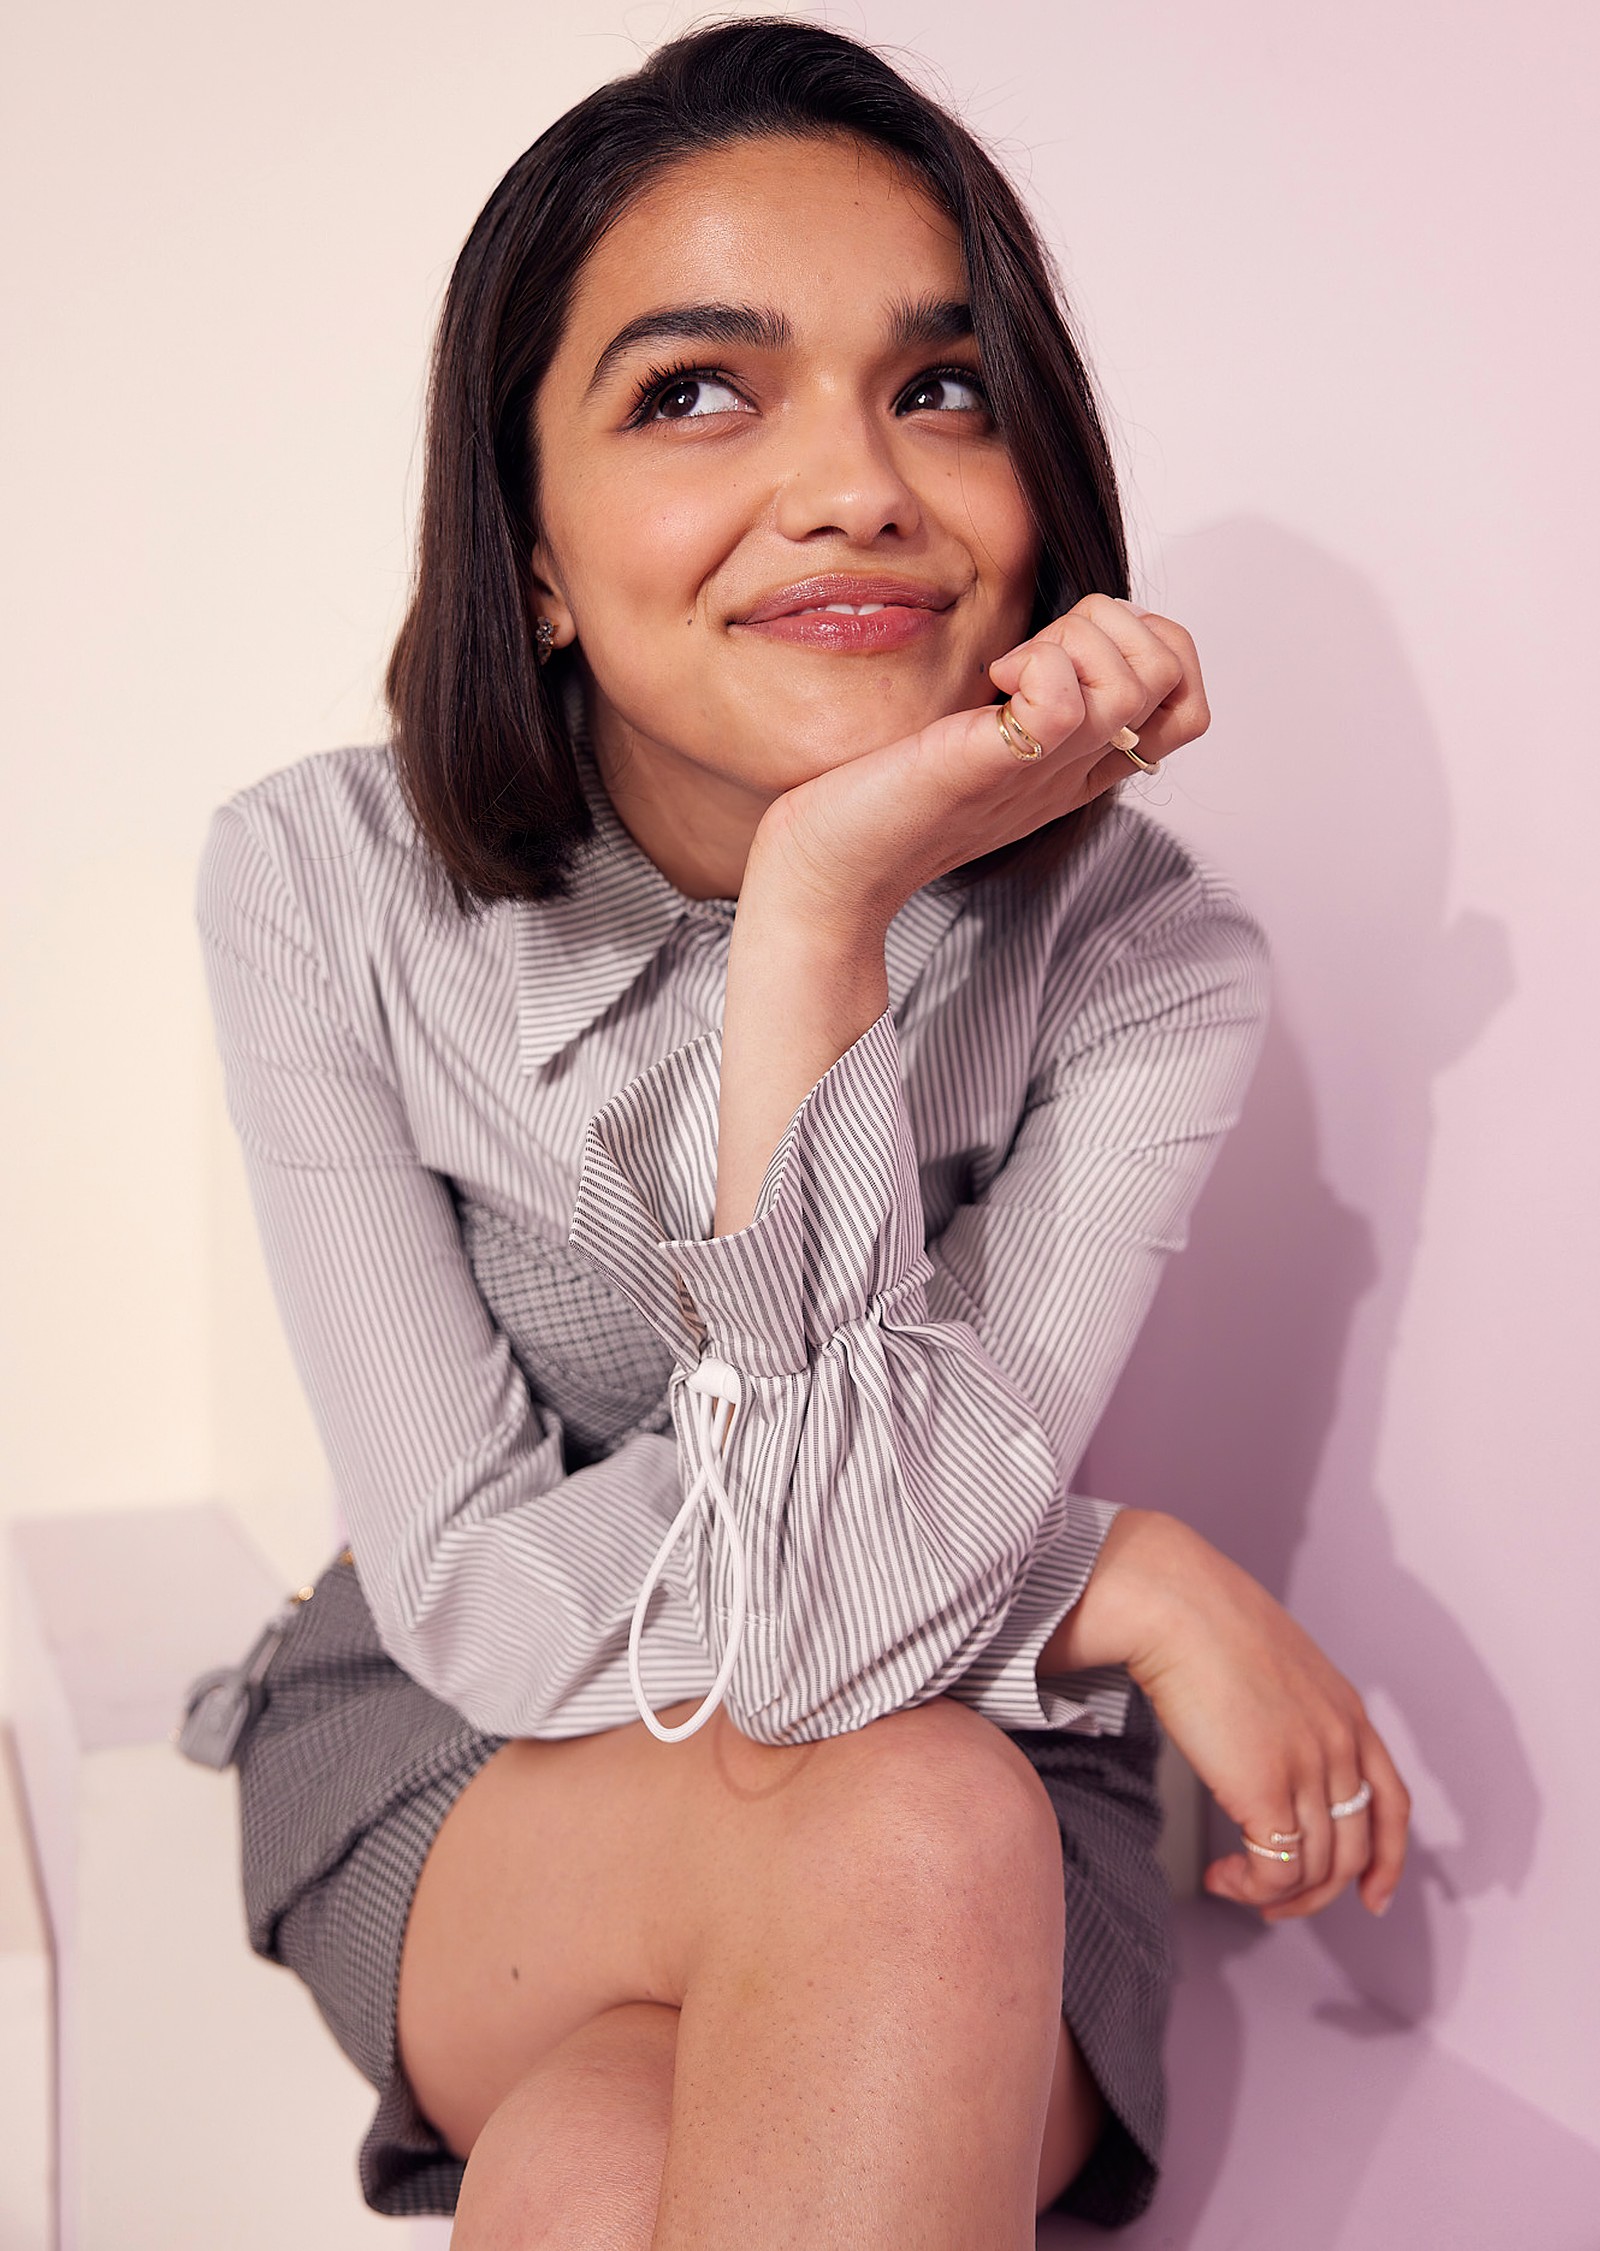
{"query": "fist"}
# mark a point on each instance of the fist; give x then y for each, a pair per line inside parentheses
(862, 837)
(1103, 666)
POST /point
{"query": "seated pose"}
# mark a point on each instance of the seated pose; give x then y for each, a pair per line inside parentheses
(718, 1086)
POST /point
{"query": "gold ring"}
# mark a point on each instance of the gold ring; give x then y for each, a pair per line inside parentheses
(1124, 740)
(1011, 726)
(1268, 1852)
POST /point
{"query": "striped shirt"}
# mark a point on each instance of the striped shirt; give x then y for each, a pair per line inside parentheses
(482, 1157)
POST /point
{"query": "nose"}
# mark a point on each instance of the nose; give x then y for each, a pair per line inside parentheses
(840, 474)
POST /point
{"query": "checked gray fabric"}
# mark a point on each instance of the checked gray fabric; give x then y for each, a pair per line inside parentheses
(350, 1767)
(481, 1153)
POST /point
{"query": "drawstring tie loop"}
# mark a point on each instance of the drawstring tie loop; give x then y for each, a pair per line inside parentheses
(716, 1392)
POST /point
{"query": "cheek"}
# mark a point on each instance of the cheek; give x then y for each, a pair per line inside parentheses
(982, 501)
(649, 543)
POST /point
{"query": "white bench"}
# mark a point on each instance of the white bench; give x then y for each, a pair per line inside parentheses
(27, 2183)
(201, 2104)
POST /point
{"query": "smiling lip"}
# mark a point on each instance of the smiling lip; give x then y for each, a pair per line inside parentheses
(907, 609)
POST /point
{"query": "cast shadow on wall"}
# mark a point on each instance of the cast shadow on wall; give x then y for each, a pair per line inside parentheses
(1254, 1399)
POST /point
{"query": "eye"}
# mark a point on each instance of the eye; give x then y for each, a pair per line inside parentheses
(685, 394)
(941, 389)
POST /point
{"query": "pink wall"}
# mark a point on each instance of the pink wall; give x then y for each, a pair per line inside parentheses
(1337, 273)
(1337, 276)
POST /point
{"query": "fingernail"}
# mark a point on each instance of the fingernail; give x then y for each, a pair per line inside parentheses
(1383, 1905)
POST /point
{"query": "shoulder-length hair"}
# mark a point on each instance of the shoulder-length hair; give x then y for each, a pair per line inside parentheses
(479, 732)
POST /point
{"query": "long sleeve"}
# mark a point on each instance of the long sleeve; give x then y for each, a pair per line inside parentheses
(498, 1581)
(913, 1413)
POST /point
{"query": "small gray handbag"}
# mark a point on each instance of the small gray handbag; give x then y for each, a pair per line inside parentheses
(219, 1705)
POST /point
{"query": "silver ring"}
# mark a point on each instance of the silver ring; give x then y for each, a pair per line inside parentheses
(1358, 1804)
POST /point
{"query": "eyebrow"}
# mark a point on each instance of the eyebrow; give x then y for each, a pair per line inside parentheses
(922, 320)
(930, 320)
(713, 324)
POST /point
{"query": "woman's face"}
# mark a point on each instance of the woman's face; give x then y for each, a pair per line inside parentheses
(764, 398)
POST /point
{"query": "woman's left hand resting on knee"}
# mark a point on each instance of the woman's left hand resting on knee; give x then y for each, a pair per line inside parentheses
(1268, 1724)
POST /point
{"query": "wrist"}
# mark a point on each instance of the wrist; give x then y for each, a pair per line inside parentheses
(783, 884)
(1124, 1612)
(821, 962)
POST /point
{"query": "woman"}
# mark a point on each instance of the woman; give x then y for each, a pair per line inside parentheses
(711, 980)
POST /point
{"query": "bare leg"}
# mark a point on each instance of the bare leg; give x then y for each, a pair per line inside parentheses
(858, 1943)
(866, 2046)
(572, 2157)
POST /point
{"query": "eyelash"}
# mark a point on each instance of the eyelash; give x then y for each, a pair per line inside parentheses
(660, 379)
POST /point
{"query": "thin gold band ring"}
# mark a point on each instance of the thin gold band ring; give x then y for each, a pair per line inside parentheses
(1124, 740)
(1011, 727)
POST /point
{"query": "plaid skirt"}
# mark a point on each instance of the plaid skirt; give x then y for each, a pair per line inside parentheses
(350, 1766)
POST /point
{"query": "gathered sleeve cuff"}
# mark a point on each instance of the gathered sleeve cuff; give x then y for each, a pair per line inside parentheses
(837, 1226)
(901, 1512)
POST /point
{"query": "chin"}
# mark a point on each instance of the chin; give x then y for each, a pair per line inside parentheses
(836, 719)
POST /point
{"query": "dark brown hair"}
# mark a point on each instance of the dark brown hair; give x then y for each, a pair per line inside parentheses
(479, 732)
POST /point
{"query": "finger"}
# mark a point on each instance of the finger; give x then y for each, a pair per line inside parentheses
(1044, 689)
(1390, 1816)
(1161, 661)
(1114, 767)
(1312, 1833)
(1164, 656)
(1071, 695)
(1311, 1803)
(1343, 1845)
(1118, 684)
(1252, 1882)
(1264, 1877)
(1183, 708)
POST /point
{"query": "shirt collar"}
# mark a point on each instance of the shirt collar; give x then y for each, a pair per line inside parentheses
(576, 956)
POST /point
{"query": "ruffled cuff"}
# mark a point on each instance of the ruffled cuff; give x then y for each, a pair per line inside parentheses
(838, 1224)
(1003, 1683)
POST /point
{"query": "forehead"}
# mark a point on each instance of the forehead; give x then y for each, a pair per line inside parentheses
(827, 229)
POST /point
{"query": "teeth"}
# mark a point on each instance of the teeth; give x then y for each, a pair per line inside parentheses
(852, 609)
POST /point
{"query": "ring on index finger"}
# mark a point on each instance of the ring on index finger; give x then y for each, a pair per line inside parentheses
(1016, 734)
(1285, 1845)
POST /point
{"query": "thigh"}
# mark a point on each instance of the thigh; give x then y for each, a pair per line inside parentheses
(575, 1876)
(600, 2107)
(1074, 2119)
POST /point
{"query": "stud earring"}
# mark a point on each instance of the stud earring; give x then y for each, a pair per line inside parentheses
(544, 640)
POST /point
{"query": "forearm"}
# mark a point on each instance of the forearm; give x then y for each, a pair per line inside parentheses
(802, 988)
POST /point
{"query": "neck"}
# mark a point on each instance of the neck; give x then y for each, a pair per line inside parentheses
(695, 824)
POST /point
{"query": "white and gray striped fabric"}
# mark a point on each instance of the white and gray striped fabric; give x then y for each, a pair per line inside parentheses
(482, 1156)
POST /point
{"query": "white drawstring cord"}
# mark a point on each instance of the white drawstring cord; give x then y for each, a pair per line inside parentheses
(713, 1384)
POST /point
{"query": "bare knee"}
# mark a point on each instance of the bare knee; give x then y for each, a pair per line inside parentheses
(572, 2156)
(932, 1812)
(942, 1785)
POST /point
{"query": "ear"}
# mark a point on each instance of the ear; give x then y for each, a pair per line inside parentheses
(546, 598)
